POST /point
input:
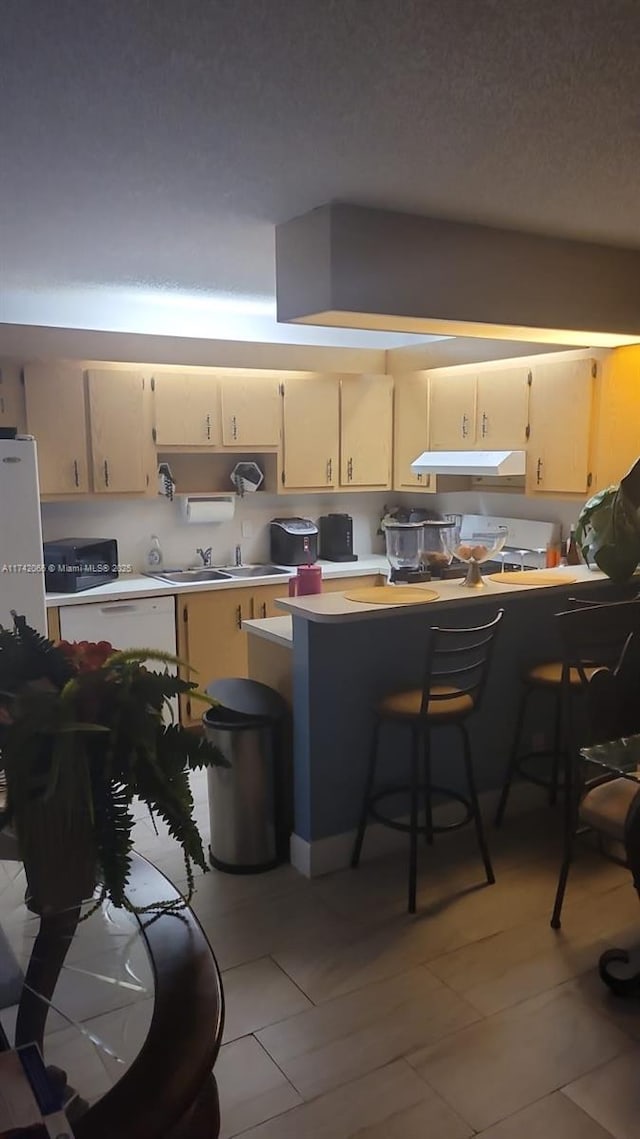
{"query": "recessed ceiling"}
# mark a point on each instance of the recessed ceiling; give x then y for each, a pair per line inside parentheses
(157, 143)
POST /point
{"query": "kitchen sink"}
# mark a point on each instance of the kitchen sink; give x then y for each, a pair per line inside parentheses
(254, 571)
(185, 577)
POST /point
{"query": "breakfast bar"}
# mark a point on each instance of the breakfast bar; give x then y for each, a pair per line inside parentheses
(344, 655)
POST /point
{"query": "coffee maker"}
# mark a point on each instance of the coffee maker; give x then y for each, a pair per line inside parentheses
(336, 538)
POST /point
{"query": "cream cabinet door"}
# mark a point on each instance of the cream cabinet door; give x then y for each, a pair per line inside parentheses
(366, 430)
(502, 409)
(12, 410)
(211, 640)
(186, 409)
(452, 412)
(56, 414)
(311, 418)
(560, 419)
(411, 431)
(118, 430)
(251, 413)
(617, 424)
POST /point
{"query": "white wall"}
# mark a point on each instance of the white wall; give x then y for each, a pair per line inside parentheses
(562, 510)
(132, 523)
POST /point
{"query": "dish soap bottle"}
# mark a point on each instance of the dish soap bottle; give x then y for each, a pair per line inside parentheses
(154, 554)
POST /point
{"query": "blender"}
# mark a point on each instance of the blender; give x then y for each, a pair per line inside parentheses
(404, 541)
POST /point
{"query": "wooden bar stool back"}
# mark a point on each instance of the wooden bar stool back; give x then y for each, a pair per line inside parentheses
(455, 675)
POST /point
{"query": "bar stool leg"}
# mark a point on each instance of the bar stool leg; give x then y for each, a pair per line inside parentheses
(557, 750)
(426, 759)
(368, 787)
(475, 806)
(512, 765)
(413, 818)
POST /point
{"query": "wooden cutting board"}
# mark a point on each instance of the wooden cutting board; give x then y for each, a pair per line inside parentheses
(392, 595)
(533, 577)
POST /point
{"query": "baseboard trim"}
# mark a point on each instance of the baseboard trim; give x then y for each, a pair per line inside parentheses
(325, 855)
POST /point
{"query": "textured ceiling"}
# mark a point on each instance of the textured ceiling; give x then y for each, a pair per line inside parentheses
(159, 141)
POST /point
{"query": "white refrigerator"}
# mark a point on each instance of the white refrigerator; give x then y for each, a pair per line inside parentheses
(21, 566)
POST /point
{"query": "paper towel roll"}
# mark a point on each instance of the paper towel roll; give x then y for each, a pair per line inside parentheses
(208, 508)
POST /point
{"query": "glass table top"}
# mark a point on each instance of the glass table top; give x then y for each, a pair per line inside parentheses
(621, 757)
(101, 1008)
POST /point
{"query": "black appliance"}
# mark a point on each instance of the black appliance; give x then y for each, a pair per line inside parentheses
(74, 564)
(294, 541)
(336, 538)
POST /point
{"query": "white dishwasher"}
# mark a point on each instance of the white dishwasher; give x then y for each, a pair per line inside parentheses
(144, 623)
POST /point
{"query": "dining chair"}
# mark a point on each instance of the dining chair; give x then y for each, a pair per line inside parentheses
(599, 804)
(456, 670)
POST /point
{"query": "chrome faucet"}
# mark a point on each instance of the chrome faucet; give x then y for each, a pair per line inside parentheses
(205, 555)
(238, 560)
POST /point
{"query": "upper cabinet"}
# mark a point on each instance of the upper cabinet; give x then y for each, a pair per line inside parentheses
(186, 409)
(251, 413)
(310, 432)
(488, 410)
(560, 416)
(410, 431)
(119, 431)
(502, 409)
(56, 414)
(617, 418)
(452, 411)
(366, 431)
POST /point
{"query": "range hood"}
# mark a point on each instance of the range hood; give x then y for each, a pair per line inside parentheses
(470, 463)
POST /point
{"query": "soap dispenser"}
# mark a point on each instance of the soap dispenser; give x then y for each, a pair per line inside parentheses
(154, 554)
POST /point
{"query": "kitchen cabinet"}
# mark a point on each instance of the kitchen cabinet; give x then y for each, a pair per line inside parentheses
(342, 584)
(366, 431)
(616, 417)
(119, 431)
(251, 413)
(12, 410)
(186, 409)
(56, 414)
(210, 634)
(310, 425)
(560, 427)
(411, 431)
(502, 409)
(211, 640)
(452, 411)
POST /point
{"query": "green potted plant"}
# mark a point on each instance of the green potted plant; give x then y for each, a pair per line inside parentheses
(82, 734)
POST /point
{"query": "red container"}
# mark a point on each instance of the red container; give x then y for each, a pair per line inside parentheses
(307, 580)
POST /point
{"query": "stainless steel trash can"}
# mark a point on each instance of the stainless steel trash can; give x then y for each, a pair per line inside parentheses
(244, 808)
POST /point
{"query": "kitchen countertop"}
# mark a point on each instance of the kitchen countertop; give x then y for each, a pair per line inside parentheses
(137, 585)
(334, 607)
(278, 630)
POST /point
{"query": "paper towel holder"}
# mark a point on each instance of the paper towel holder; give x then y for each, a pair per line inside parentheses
(207, 509)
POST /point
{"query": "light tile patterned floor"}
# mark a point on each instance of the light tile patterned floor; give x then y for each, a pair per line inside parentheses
(347, 1018)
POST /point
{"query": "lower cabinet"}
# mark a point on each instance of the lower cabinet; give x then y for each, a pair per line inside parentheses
(210, 634)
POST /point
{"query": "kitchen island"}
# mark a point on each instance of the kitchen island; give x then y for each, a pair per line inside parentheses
(344, 655)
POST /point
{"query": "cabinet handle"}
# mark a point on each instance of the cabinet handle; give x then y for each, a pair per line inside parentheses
(484, 424)
(539, 472)
(208, 426)
(264, 608)
(329, 470)
(234, 427)
(76, 475)
(239, 617)
(1, 405)
(465, 421)
(420, 477)
(253, 608)
(106, 473)
(350, 470)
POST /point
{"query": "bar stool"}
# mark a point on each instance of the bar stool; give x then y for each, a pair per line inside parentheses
(455, 675)
(550, 679)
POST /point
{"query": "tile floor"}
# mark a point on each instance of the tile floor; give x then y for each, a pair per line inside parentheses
(347, 1018)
